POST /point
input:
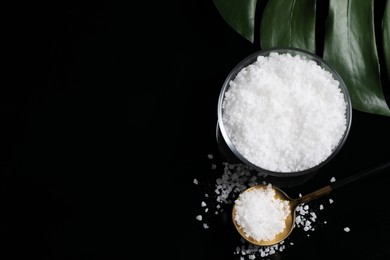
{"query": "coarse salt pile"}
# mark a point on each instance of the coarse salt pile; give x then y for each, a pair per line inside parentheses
(284, 113)
(261, 215)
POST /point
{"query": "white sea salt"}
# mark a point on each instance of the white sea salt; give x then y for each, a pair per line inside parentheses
(331, 201)
(203, 204)
(284, 113)
(347, 229)
(195, 181)
(260, 214)
(333, 179)
(199, 217)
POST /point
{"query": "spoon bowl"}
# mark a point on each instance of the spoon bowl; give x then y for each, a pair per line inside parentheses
(289, 221)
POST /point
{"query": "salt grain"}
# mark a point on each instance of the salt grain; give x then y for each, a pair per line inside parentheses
(297, 105)
(210, 156)
(195, 181)
(203, 204)
(330, 201)
(347, 229)
(205, 226)
(333, 179)
(199, 217)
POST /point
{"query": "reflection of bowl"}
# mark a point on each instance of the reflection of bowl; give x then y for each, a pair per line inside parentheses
(313, 111)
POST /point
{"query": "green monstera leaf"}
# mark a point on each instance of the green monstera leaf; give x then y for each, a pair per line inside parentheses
(350, 47)
(386, 37)
(239, 14)
(282, 24)
(345, 30)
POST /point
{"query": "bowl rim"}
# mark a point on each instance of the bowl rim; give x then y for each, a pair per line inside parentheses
(321, 62)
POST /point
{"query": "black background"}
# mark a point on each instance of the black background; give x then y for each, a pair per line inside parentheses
(64, 175)
(211, 50)
(88, 129)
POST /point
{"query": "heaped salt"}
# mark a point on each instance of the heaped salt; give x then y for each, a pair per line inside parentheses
(260, 214)
(284, 113)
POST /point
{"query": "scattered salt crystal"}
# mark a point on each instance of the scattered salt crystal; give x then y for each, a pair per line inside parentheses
(195, 181)
(321, 207)
(347, 229)
(330, 201)
(218, 206)
(213, 166)
(206, 210)
(333, 179)
(325, 222)
(206, 195)
(205, 226)
(254, 110)
(306, 207)
(199, 217)
(210, 156)
(260, 214)
(298, 219)
(203, 204)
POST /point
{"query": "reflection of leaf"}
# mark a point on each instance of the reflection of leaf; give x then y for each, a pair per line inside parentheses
(386, 36)
(350, 47)
(239, 14)
(289, 23)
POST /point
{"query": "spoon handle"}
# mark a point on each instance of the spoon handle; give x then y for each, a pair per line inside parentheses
(329, 188)
(359, 175)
